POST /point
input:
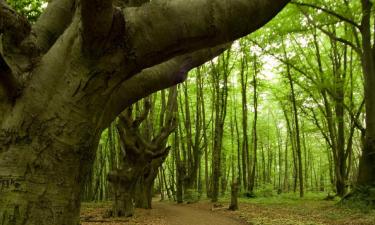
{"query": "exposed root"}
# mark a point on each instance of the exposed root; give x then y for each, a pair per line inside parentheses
(360, 197)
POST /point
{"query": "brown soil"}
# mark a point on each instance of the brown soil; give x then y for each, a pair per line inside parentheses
(162, 214)
(306, 212)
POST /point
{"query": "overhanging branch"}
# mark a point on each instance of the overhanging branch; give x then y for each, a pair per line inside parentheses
(162, 30)
(156, 78)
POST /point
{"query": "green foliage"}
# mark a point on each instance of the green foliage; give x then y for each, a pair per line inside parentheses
(291, 209)
(29, 8)
(319, 66)
(191, 196)
(266, 191)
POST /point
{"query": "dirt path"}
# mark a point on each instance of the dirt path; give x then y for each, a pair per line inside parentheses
(163, 213)
(263, 212)
(186, 215)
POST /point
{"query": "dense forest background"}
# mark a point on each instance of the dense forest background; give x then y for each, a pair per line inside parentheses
(281, 111)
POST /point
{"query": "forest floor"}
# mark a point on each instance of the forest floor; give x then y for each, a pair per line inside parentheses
(259, 211)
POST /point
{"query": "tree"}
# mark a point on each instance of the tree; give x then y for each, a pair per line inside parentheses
(297, 133)
(142, 156)
(363, 44)
(220, 73)
(254, 130)
(67, 76)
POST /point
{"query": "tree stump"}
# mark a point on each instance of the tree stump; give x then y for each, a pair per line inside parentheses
(234, 197)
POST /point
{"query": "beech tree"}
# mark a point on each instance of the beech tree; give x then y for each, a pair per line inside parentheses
(140, 156)
(65, 77)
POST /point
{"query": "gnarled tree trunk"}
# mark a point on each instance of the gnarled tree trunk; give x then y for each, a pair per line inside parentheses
(141, 157)
(122, 181)
(144, 193)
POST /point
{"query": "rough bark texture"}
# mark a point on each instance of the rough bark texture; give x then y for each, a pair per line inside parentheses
(365, 187)
(76, 75)
(123, 190)
(142, 156)
(234, 196)
(367, 165)
(144, 191)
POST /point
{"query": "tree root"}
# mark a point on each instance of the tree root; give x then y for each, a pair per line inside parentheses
(360, 197)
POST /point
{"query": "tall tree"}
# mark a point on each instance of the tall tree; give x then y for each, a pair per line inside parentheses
(220, 73)
(143, 154)
(245, 142)
(254, 130)
(363, 44)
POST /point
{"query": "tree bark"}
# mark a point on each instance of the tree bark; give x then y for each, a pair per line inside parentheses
(367, 167)
(234, 197)
(144, 187)
(123, 184)
(142, 157)
(220, 109)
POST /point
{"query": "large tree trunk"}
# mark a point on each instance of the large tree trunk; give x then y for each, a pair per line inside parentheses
(123, 182)
(141, 157)
(366, 178)
(144, 188)
(43, 162)
(123, 203)
(144, 193)
(367, 165)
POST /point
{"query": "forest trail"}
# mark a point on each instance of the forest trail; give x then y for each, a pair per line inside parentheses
(162, 213)
(262, 211)
(187, 215)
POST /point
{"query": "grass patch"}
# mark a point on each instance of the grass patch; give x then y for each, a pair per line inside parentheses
(290, 209)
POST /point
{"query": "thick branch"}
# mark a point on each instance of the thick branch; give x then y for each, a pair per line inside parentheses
(170, 120)
(53, 22)
(97, 18)
(159, 154)
(156, 78)
(146, 110)
(161, 30)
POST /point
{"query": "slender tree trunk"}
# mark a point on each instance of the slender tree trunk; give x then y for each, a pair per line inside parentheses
(245, 142)
(286, 173)
(221, 96)
(298, 140)
(180, 171)
(254, 131)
